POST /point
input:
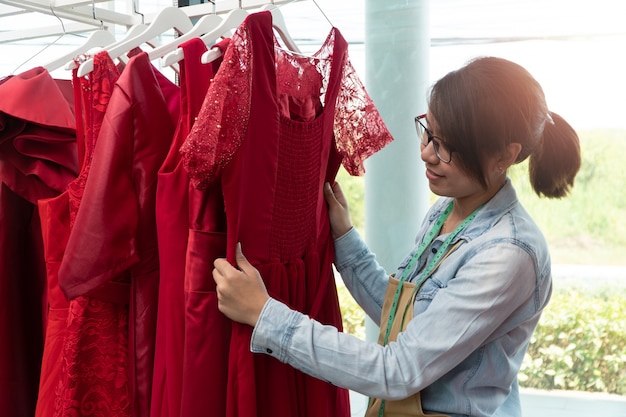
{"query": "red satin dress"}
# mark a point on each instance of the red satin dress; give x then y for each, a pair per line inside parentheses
(173, 221)
(37, 160)
(207, 232)
(111, 253)
(273, 128)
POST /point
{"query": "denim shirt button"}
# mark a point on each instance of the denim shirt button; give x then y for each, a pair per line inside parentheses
(434, 250)
(268, 350)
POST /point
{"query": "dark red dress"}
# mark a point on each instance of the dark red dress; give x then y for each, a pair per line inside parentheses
(207, 231)
(273, 128)
(37, 160)
(112, 252)
(173, 212)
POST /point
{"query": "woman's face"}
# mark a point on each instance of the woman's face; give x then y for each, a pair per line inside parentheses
(448, 179)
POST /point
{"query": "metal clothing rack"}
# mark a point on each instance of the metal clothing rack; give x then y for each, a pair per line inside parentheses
(88, 15)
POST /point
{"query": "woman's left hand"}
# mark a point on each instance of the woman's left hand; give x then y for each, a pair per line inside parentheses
(241, 293)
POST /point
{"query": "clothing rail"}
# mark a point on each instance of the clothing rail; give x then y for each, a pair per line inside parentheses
(90, 15)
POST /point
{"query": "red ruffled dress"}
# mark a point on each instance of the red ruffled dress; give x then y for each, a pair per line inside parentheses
(38, 159)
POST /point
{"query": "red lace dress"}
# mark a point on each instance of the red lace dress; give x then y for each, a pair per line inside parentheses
(173, 211)
(37, 160)
(86, 356)
(111, 253)
(273, 128)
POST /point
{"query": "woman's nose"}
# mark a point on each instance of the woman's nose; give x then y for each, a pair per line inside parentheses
(428, 153)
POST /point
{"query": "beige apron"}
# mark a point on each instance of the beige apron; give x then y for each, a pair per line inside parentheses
(411, 406)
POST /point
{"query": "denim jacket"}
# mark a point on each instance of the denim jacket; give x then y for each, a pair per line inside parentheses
(473, 317)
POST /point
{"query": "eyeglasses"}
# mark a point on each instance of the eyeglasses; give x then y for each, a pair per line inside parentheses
(443, 151)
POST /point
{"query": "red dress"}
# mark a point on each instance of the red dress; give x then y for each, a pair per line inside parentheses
(113, 243)
(207, 231)
(173, 217)
(83, 368)
(37, 160)
(273, 128)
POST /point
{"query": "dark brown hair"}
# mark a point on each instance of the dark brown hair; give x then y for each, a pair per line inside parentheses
(491, 102)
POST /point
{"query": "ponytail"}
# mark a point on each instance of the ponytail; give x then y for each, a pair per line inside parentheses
(554, 164)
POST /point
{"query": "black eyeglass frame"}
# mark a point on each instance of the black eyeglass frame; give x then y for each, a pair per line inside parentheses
(437, 142)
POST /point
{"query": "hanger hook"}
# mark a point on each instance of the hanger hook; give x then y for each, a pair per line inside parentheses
(93, 12)
(136, 11)
(55, 15)
(324, 14)
(51, 5)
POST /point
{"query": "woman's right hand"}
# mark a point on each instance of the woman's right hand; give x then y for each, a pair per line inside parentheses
(338, 212)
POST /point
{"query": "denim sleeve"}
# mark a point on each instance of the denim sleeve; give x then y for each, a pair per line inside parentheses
(324, 352)
(365, 279)
(460, 319)
(274, 329)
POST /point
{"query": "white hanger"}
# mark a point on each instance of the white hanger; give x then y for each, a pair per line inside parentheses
(202, 26)
(133, 31)
(168, 18)
(210, 55)
(98, 38)
(232, 20)
(278, 22)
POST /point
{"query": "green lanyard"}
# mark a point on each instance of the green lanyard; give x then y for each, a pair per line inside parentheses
(432, 234)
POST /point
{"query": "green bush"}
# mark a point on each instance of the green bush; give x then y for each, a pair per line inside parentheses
(352, 315)
(579, 344)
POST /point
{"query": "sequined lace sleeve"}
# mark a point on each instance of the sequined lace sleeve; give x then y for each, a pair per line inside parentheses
(359, 129)
(222, 121)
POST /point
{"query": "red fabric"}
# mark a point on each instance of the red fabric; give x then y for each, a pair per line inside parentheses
(172, 215)
(82, 366)
(114, 236)
(265, 136)
(54, 214)
(36, 82)
(22, 292)
(203, 327)
(37, 160)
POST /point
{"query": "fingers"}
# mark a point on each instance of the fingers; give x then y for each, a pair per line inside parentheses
(217, 276)
(242, 261)
(329, 194)
(334, 195)
(223, 267)
(241, 293)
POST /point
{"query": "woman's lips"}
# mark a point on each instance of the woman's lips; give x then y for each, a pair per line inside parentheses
(432, 176)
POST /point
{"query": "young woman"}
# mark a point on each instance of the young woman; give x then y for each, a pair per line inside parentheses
(457, 316)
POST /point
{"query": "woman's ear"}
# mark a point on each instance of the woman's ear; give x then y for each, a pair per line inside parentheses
(509, 156)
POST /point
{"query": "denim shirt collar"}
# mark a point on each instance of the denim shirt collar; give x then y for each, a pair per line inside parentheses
(500, 204)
